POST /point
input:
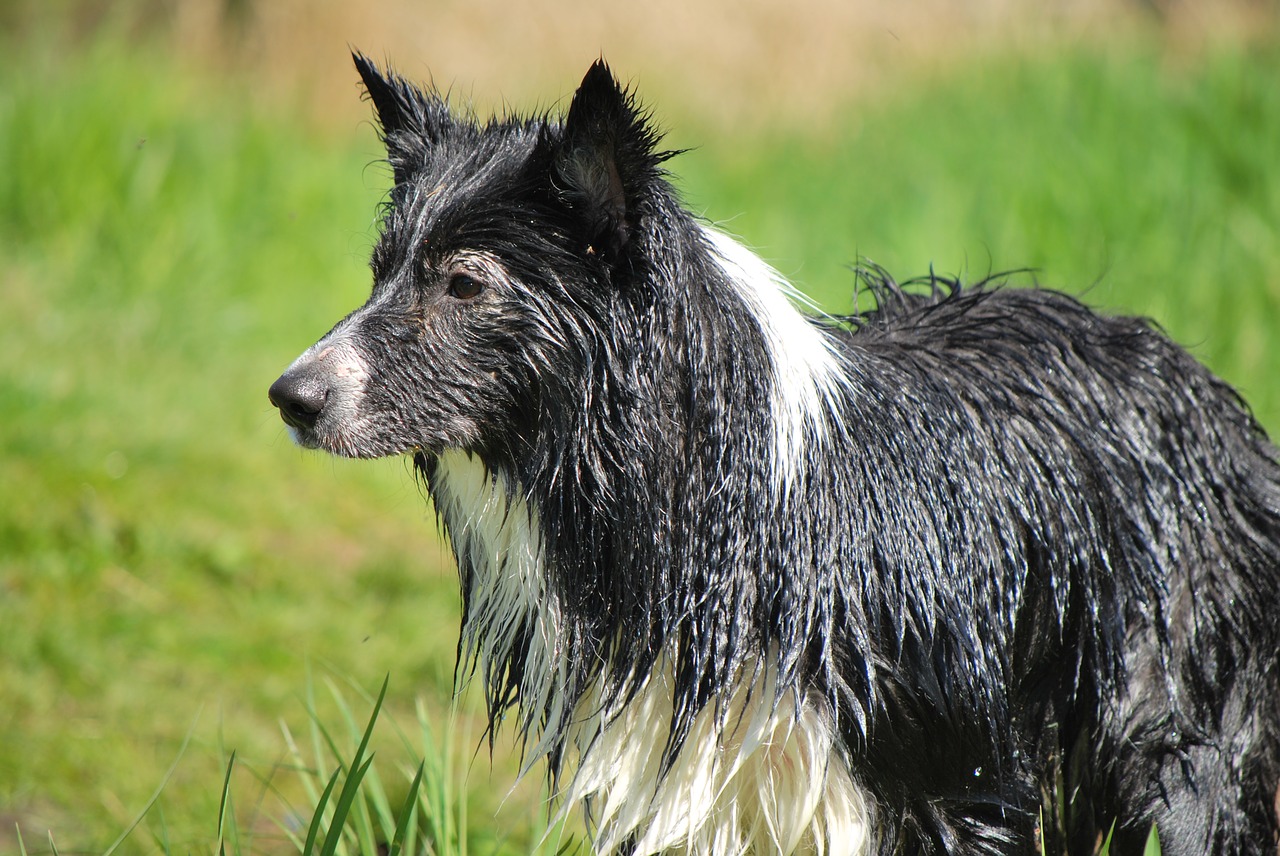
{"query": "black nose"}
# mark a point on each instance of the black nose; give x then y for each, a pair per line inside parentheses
(300, 396)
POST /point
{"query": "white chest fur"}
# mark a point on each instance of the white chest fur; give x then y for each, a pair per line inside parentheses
(754, 777)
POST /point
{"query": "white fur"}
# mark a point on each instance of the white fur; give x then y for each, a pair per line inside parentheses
(808, 379)
(500, 539)
(754, 776)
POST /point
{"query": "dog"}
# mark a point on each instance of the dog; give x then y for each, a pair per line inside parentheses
(977, 571)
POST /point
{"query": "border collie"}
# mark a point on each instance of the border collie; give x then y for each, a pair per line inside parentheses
(979, 571)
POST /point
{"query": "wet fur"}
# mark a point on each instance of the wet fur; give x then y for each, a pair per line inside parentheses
(974, 567)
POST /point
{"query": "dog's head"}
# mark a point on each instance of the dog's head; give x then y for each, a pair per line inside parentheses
(505, 247)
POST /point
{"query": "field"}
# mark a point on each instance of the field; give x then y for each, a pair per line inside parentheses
(173, 572)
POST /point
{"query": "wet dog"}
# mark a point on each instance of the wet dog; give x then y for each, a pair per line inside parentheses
(975, 569)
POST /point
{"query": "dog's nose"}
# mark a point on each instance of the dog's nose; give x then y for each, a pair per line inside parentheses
(300, 396)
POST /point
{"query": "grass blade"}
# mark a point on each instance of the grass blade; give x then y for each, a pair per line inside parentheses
(1105, 849)
(359, 766)
(224, 804)
(342, 810)
(374, 808)
(155, 795)
(312, 831)
(407, 812)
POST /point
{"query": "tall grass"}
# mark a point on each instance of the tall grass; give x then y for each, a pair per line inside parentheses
(165, 249)
(345, 805)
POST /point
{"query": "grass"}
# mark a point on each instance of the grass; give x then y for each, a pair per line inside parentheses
(173, 572)
(354, 809)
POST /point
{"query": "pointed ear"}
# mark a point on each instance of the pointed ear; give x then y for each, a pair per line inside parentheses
(605, 160)
(411, 121)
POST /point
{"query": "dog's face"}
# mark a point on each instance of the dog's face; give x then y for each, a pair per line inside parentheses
(503, 245)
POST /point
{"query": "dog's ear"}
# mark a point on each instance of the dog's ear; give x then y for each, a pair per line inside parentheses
(604, 160)
(411, 121)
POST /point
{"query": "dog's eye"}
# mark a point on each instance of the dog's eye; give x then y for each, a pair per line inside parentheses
(464, 287)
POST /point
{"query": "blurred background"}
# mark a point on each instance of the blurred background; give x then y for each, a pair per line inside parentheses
(188, 193)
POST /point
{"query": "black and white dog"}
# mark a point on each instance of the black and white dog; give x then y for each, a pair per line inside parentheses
(978, 571)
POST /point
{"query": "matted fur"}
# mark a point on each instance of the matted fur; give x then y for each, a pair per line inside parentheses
(973, 570)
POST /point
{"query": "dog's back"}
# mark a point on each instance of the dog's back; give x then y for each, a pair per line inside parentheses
(1123, 510)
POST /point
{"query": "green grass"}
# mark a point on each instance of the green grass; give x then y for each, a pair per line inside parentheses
(350, 808)
(173, 572)
(165, 553)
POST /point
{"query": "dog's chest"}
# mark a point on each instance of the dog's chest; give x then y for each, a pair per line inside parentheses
(753, 776)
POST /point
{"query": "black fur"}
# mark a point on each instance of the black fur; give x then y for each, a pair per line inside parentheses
(1029, 555)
